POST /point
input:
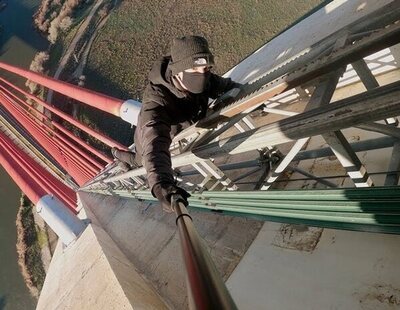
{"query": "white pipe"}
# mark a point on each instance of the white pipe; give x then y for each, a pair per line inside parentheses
(129, 111)
(61, 220)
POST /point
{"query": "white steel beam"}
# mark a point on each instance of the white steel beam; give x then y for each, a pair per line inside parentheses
(348, 158)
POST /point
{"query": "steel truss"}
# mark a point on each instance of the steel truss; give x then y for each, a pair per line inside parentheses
(198, 149)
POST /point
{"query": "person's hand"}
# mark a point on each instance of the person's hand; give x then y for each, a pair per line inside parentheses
(163, 193)
(228, 97)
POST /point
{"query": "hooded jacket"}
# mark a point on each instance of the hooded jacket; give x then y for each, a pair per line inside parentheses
(165, 111)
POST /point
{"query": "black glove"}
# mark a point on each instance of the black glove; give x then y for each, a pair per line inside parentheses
(163, 192)
(229, 96)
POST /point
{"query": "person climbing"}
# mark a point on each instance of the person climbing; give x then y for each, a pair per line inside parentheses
(177, 95)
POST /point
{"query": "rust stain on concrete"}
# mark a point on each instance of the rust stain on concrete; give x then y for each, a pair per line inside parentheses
(297, 237)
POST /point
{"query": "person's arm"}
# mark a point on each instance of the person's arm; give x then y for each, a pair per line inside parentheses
(220, 85)
(156, 141)
(156, 155)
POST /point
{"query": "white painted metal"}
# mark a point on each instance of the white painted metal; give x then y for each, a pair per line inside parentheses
(348, 158)
(61, 220)
(218, 174)
(285, 162)
(129, 111)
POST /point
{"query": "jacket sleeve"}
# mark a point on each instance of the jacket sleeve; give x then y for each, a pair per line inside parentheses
(219, 85)
(155, 153)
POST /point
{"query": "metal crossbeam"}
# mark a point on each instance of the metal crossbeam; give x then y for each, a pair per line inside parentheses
(321, 95)
(211, 170)
(284, 163)
(370, 106)
(313, 177)
(369, 81)
(348, 158)
(381, 128)
(366, 107)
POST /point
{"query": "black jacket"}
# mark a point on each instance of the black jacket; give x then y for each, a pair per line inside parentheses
(165, 111)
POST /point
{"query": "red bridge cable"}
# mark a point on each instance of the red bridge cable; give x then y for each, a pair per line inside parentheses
(99, 136)
(82, 160)
(97, 100)
(21, 166)
(76, 173)
(69, 134)
(31, 189)
(66, 132)
(80, 168)
(82, 143)
(45, 183)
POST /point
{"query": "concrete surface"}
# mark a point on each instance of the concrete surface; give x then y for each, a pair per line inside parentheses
(149, 238)
(346, 270)
(94, 274)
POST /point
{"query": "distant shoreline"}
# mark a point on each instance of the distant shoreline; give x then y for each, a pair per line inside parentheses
(30, 239)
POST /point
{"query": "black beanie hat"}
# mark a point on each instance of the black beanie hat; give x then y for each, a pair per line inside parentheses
(189, 52)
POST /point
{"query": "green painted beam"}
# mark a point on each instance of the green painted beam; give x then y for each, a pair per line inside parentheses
(368, 209)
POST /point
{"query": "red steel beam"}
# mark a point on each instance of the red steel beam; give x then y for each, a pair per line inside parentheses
(105, 103)
(99, 136)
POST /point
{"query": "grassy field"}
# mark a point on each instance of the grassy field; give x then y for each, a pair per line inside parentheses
(138, 32)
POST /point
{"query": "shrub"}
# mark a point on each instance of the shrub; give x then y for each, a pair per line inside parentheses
(37, 65)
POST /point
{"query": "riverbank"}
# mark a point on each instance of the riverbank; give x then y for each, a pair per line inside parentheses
(19, 42)
(30, 241)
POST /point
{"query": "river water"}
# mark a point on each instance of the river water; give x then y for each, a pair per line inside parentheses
(18, 44)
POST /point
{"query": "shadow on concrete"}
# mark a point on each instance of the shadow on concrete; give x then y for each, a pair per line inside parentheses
(2, 302)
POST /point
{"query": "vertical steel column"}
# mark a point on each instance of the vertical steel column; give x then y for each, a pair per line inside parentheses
(206, 289)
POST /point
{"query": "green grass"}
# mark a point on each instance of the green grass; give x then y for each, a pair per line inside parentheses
(138, 32)
(42, 239)
(34, 241)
